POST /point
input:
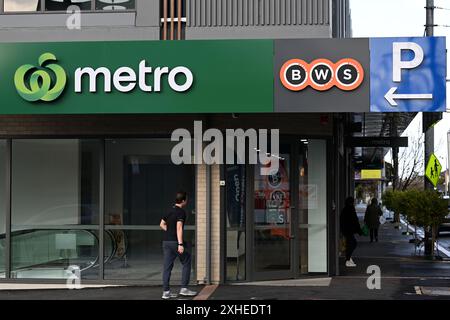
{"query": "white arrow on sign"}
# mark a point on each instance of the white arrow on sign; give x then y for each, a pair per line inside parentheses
(391, 96)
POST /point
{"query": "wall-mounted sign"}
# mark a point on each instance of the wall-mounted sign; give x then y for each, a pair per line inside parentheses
(136, 77)
(369, 174)
(377, 142)
(224, 76)
(408, 74)
(322, 74)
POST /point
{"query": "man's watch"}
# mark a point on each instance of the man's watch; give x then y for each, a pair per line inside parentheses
(180, 244)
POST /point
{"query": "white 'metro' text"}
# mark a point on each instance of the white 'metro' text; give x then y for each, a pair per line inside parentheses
(125, 79)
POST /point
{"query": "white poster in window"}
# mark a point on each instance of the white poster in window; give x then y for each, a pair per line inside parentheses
(308, 196)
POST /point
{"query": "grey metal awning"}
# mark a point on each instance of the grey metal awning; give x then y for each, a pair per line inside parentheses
(378, 125)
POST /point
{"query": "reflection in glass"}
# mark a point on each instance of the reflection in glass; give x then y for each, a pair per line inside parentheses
(235, 216)
(114, 5)
(63, 5)
(52, 254)
(2, 207)
(272, 218)
(22, 5)
(313, 202)
(137, 255)
(141, 182)
(54, 182)
(55, 185)
(140, 186)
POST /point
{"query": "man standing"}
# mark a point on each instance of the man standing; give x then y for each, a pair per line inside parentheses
(174, 246)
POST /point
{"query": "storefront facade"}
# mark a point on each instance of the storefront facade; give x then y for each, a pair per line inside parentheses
(88, 175)
(76, 191)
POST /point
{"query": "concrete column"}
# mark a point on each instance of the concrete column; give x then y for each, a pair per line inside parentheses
(147, 13)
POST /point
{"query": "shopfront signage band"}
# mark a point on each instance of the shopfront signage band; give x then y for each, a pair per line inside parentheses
(224, 76)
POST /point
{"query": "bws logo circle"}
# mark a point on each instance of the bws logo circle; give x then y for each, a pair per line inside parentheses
(45, 83)
(322, 74)
(349, 74)
(295, 74)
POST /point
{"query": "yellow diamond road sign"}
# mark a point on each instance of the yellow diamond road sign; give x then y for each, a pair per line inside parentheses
(433, 171)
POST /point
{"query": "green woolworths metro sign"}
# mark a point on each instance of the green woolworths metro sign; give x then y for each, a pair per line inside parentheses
(136, 77)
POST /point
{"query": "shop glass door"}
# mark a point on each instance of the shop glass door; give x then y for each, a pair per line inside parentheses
(273, 238)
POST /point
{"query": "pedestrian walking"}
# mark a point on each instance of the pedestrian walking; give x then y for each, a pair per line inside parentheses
(349, 226)
(372, 219)
(174, 246)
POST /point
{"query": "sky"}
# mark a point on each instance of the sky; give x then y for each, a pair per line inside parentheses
(392, 18)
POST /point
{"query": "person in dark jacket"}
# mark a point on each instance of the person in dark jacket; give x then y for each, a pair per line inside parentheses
(349, 226)
(372, 219)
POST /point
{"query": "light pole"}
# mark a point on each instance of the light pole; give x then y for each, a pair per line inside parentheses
(428, 119)
(447, 190)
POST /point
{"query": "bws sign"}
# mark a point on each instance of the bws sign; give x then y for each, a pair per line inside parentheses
(322, 74)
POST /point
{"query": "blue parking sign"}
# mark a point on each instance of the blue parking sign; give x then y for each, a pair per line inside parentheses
(408, 74)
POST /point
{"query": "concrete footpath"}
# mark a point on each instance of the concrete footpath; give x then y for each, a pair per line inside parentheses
(404, 275)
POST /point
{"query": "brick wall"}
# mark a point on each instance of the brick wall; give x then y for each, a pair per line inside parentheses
(201, 224)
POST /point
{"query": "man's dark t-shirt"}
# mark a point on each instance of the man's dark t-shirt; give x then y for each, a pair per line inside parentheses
(171, 219)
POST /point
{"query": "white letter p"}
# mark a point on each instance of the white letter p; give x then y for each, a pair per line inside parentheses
(398, 64)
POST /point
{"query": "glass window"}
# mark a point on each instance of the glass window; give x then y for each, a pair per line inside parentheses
(55, 254)
(141, 182)
(313, 206)
(62, 5)
(2, 207)
(140, 187)
(55, 207)
(114, 5)
(137, 255)
(272, 220)
(22, 5)
(235, 222)
(55, 182)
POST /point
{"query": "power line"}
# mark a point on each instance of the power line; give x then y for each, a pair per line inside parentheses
(442, 8)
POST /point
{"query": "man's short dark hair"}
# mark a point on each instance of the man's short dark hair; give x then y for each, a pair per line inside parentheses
(181, 196)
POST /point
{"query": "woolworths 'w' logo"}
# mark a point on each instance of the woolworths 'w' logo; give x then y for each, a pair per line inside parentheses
(45, 82)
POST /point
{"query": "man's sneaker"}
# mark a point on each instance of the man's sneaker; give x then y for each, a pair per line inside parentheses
(350, 263)
(351, 259)
(167, 295)
(187, 293)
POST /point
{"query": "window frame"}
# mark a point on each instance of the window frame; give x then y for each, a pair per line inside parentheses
(43, 11)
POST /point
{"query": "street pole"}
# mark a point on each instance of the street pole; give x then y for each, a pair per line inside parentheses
(429, 132)
(427, 128)
(448, 164)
